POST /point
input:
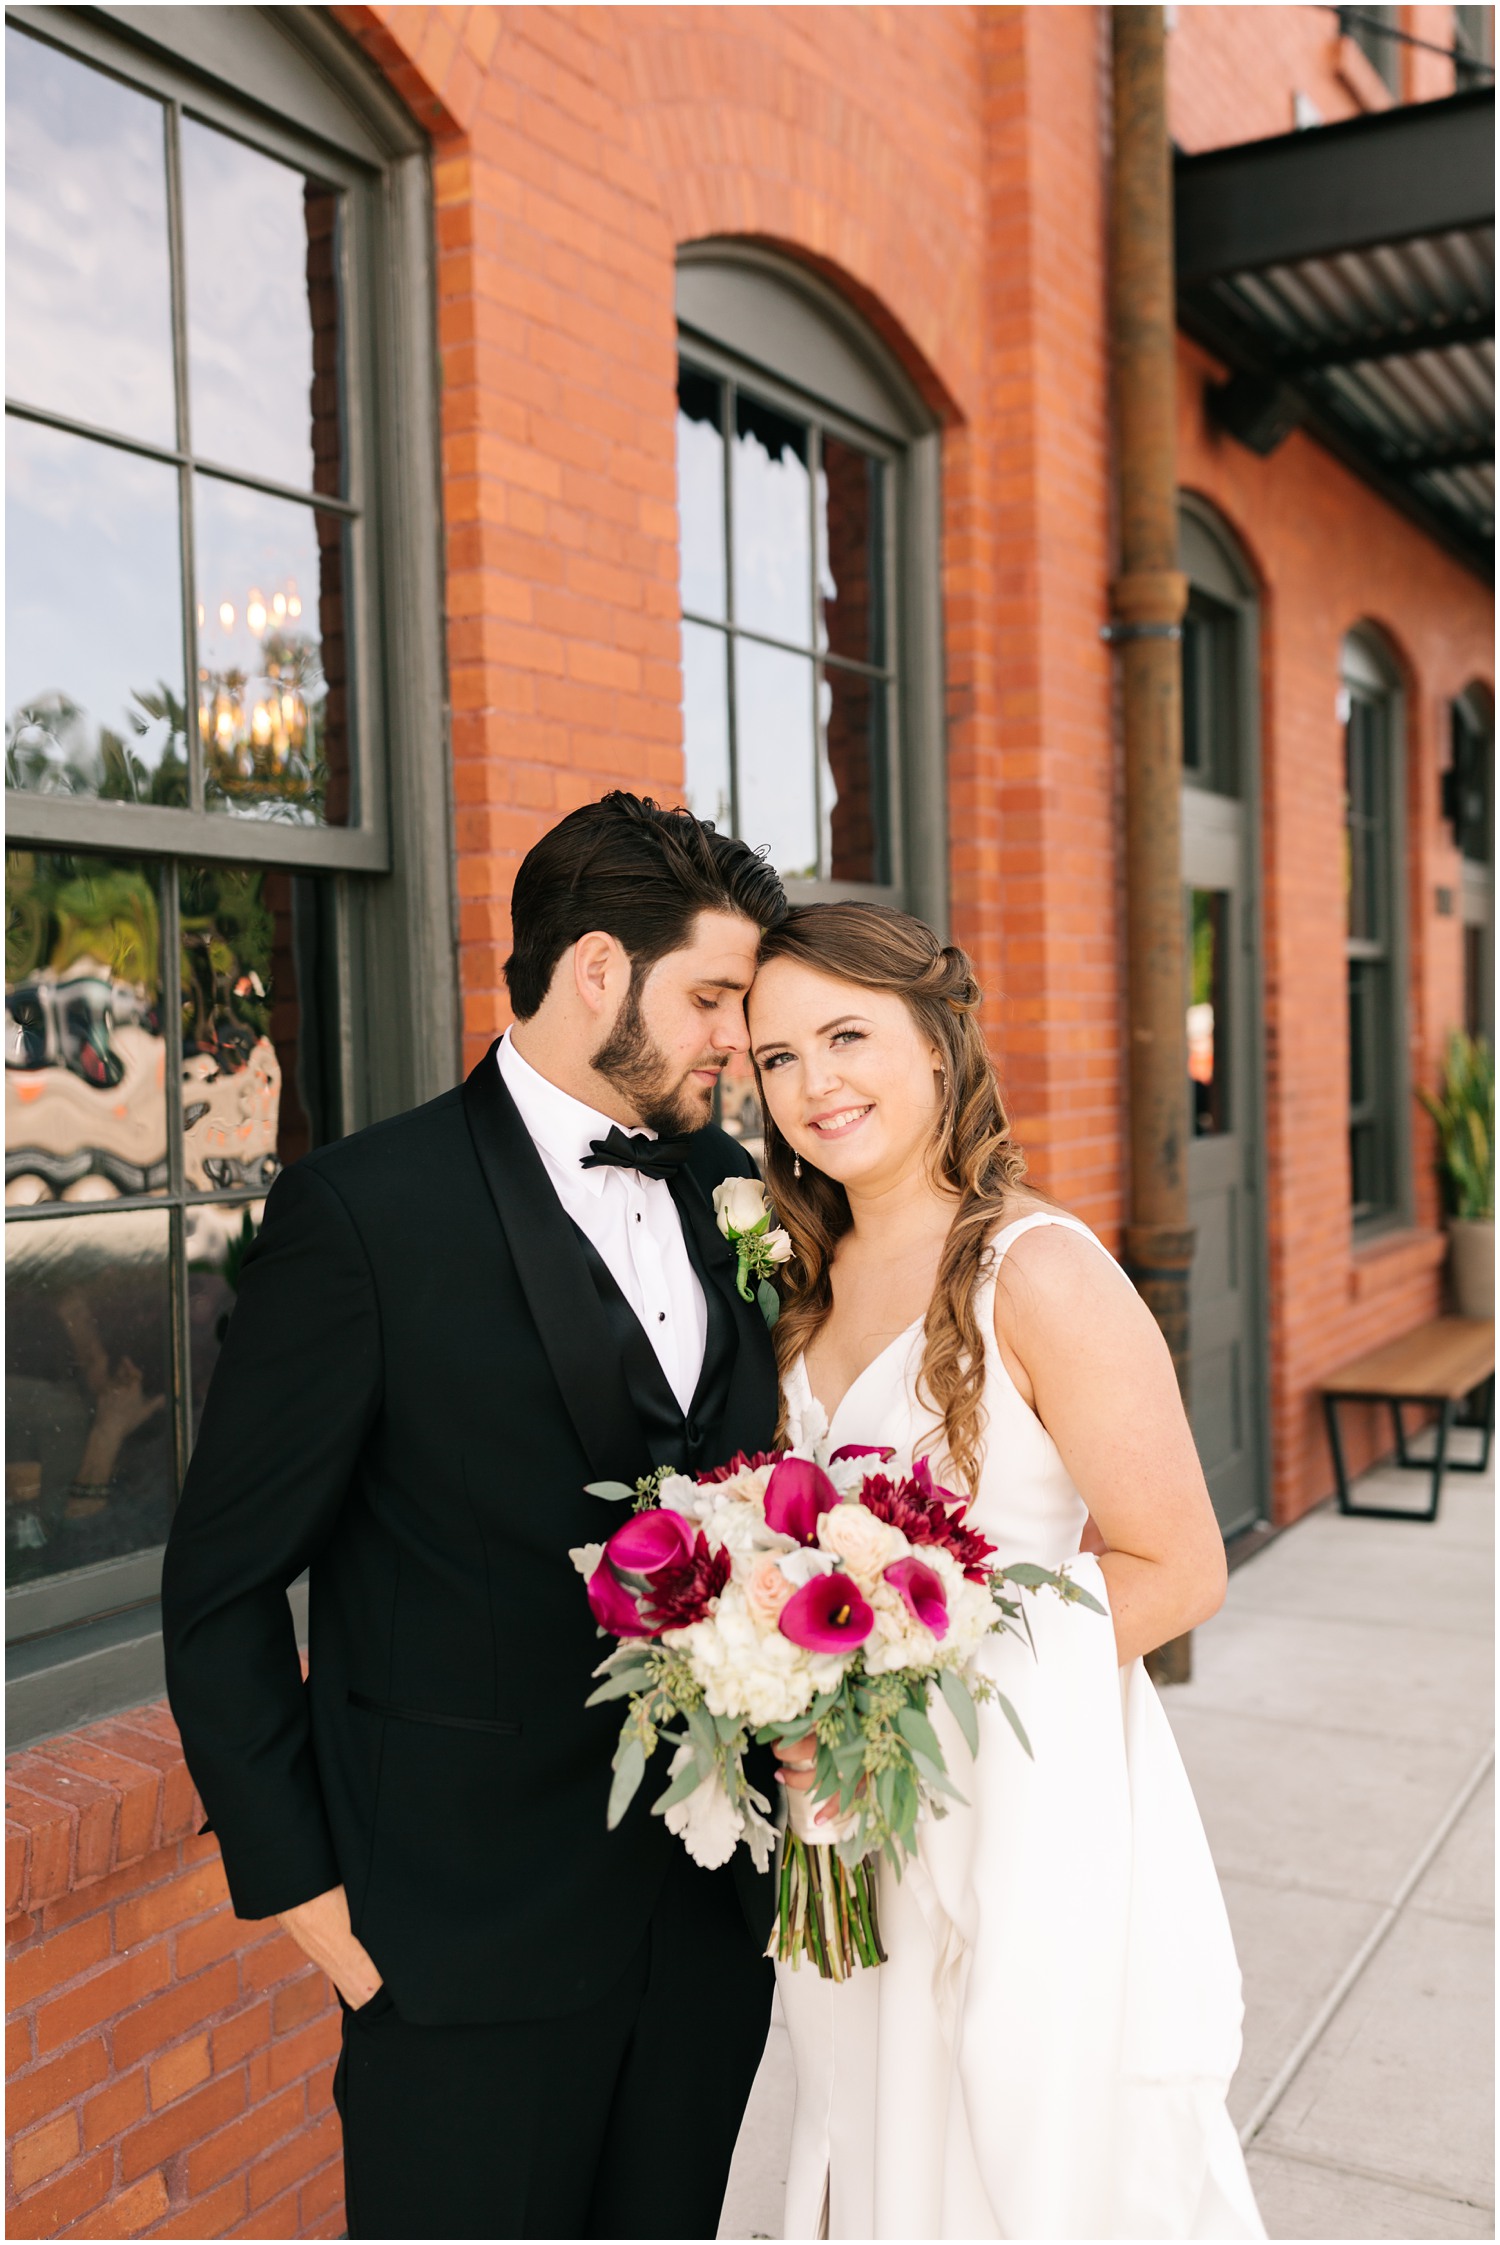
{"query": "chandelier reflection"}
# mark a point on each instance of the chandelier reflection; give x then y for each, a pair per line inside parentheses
(261, 723)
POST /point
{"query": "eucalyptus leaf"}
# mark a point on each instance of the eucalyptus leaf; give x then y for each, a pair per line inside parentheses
(1029, 1576)
(919, 1733)
(1078, 1596)
(613, 1492)
(621, 1685)
(1014, 1721)
(630, 1768)
(685, 1782)
(769, 1301)
(961, 1701)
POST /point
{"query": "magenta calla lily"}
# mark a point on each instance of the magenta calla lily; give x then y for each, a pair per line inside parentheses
(613, 1606)
(861, 1450)
(797, 1495)
(827, 1615)
(923, 1592)
(651, 1543)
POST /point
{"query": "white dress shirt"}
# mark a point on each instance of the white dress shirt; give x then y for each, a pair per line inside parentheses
(631, 1219)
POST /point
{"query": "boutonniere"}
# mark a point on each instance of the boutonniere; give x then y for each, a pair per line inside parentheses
(743, 1214)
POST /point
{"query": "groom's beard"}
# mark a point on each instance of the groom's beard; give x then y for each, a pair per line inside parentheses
(638, 1070)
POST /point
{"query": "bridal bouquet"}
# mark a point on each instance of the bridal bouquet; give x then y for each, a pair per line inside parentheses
(783, 1595)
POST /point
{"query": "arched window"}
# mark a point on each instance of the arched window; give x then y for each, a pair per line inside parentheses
(223, 604)
(1469, 799)
(807, 479)
(1375, 931)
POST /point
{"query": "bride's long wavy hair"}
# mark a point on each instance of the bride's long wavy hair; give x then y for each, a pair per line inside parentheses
(972, 1152)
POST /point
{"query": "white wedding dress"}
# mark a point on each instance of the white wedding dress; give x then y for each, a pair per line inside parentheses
(1047, 2051)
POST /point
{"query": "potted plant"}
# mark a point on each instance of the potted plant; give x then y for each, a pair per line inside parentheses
(1464, 1112)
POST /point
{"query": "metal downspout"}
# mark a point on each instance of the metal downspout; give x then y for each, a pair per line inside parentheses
(1149, 600)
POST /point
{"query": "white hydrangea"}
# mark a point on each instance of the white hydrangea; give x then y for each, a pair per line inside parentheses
(747, 1672)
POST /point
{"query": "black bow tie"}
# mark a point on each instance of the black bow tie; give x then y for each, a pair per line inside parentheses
(651, 1157)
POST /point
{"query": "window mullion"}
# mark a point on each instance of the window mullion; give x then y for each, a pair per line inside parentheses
(731, 645)
(185, 445)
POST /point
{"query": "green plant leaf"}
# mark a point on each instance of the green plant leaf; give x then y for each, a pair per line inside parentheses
(686, 1781)
(613, 1492)
(620, 1685)
(1015, 1723)
(769, 1301)
(961, 1701)
(630, 1768)
(919, 1733)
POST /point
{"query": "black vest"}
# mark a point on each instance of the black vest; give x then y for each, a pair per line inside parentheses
(693, 1441)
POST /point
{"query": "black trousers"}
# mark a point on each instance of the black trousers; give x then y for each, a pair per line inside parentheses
(617, 2122)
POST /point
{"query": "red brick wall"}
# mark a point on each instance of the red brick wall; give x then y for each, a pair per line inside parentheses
(168, 2066)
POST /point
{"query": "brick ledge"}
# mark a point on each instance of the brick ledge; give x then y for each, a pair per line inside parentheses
(1394, 1258)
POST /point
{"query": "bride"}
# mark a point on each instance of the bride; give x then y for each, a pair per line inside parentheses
(1047, 2052)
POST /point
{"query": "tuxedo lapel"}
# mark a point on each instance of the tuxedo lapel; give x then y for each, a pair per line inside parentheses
(750, 1412)
(555, 1279)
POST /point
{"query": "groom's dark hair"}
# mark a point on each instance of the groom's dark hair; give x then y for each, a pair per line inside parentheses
(628, 868)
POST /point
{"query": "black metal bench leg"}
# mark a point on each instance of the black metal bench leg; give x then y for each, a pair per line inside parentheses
(1486, 1434)
(1439, 1456)
(1401, 1456)
(1335, 1444)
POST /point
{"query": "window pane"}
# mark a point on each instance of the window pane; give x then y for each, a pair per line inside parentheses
(88, 1429)
(705, 723)
(262, 312)
(854, 781)
(700, 490)
(1365, 784)
(1207, 1013)
(88, 293)
(775, 757)
(772, 524)
(850, 493)
(259, 1042)
(272, 658)
(217, 1237)
(85, 1055)
(93, 608)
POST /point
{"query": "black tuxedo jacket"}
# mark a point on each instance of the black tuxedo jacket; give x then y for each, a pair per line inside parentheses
(416, 1383)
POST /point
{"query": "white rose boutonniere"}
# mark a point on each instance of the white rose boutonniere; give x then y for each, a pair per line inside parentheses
(743, 1214)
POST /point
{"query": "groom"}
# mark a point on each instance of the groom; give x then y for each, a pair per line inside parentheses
(448, 1325)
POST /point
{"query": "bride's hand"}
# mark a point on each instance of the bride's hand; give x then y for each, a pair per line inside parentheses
(797, 1757)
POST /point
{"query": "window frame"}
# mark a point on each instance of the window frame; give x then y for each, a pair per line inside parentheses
(289, 81)
(1368, 675)
(749, 317)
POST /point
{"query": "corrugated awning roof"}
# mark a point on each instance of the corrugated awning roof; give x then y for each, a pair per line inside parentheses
(1346, 276)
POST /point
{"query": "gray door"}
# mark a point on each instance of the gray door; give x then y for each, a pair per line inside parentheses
(1223, 1024)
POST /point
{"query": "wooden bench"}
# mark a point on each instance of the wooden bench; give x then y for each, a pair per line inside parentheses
(1436, 1365)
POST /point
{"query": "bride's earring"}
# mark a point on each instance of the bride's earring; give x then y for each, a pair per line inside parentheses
(796, 1165)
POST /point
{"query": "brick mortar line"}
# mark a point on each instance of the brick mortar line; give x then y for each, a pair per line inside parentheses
(1313, 2032)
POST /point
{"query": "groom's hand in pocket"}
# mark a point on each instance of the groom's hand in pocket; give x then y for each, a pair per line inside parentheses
(322, 1932)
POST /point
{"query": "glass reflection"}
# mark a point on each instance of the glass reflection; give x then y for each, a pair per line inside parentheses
(772, 524)
(775, 756)
(1207, 1019)
(93, 614)
(850, 491)
(700, 491)
(263, 313)
(217, 1238)
(258, 1088)
(705, 723)
(853, 710)
(85, 1055)
(272, 656)
(88, 1438)
(88, 293)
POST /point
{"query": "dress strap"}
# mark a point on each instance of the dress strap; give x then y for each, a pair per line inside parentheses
(1008, 1233)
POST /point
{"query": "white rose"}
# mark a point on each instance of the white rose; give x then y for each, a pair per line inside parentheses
(707, 1822)
(865, 1544)
(778, 1246)
(740, 1204)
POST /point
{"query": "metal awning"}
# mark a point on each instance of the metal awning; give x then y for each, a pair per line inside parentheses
(1346, 277)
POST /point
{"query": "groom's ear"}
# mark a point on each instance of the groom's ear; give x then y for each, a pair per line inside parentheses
(601, 971)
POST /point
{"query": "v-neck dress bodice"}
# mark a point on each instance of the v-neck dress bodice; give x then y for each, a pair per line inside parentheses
(1047, 2052)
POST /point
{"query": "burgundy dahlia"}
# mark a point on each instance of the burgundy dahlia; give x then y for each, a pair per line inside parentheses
(739, 1463)
(927, 1514)
(679, 1596)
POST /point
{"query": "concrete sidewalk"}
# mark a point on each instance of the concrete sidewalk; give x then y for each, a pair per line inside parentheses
(1339, 1733)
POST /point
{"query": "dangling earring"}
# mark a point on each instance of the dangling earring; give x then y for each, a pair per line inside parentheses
(944, 1074)
(796, 1165)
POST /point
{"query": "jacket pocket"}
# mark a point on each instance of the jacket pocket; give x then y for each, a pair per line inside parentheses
(495, 1724)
